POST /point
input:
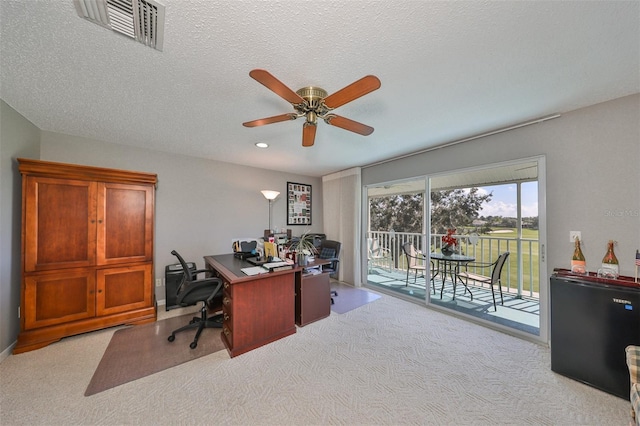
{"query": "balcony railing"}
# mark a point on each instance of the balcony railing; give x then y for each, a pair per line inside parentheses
(520, 275)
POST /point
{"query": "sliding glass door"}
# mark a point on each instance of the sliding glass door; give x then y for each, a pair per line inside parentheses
(487, 212)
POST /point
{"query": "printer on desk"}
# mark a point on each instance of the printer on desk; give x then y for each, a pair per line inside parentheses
(244, 248)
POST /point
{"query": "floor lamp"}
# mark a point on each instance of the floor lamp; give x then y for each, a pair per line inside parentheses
(270, 195)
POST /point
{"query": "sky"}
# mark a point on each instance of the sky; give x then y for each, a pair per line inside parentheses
(505, 202)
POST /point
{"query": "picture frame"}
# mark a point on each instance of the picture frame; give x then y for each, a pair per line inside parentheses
(298, 204)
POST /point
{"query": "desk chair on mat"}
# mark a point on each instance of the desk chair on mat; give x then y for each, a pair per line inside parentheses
(330, 250)
(193, 290)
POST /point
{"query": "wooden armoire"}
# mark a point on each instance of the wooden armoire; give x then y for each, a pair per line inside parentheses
(87, 250)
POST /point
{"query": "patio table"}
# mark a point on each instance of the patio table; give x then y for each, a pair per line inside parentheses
(451, 265)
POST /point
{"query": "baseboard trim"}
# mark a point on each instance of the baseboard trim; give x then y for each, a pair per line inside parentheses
(5, 354)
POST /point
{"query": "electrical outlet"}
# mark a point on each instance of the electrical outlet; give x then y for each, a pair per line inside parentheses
(575, 234)
(159, 282)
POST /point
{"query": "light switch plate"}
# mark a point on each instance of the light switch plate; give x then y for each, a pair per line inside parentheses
(575, 234)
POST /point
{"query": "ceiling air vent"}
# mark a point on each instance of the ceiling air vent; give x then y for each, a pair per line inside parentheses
(142, 20)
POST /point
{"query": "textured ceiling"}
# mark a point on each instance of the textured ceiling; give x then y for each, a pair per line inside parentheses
(449, 70)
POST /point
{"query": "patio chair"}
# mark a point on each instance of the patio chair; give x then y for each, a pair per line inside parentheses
(377, 253)
(493, 277)
(417, 262)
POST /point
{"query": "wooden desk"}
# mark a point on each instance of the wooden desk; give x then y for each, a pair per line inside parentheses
(257, 309)
(313, 295)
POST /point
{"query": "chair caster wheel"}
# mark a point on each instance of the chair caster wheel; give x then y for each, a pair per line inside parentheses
(193, 345)
(171, 338)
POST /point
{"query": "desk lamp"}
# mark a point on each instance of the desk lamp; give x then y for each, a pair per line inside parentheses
(270, 195)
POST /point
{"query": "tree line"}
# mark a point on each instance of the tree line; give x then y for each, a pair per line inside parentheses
(455, 208)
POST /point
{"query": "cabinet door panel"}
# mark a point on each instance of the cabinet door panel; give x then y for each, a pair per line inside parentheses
(123, 289)
(58, 298)
(125, 219)
(60, 223)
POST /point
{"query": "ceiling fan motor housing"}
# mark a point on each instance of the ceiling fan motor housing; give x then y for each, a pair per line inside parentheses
(313, 106)
(313, 95)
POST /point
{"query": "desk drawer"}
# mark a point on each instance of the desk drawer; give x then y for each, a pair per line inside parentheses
(227, 309)
(228, 334)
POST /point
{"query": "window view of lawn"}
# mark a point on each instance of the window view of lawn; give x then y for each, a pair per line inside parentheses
(499, 240)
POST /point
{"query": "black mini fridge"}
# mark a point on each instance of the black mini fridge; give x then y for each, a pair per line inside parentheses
(592, 321)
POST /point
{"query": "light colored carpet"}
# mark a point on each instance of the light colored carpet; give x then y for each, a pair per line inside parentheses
(388, 362)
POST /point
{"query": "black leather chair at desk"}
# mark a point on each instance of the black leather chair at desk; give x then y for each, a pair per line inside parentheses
(193, 290)
(330, 250)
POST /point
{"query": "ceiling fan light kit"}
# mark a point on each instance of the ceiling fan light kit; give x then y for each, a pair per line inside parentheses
(313, 103)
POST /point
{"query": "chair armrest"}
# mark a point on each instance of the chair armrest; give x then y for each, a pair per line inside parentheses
(217, 291)
(420, 255)
(479, 264)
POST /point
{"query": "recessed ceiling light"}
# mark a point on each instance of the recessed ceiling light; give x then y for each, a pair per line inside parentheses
(262, 145)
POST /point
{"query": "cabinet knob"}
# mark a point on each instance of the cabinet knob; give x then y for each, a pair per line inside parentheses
(226, 331)
(226, 301)
(226, 284)
(226, 317)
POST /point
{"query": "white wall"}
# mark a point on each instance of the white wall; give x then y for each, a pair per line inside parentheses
(593, 180)
(201, 205)
(18, 138)
(593, 176)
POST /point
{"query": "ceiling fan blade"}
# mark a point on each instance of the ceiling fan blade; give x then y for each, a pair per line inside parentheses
(308, 134)
(276, 86)
(350, 125)
(270, 120)
(353, 91)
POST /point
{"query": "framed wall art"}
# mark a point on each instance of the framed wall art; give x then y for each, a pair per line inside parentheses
(298, 204)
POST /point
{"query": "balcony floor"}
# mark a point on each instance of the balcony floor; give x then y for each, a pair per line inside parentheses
(521, 313)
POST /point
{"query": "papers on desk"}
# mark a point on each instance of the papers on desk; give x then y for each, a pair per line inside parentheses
(274, 264)
(254, 270)
(277, 266)
(267, 267)
(314, 270)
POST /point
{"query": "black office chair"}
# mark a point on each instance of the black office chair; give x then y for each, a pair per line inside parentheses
(193, 290)
(330, 250)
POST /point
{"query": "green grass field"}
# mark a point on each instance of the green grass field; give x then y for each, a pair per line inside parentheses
(504, 239)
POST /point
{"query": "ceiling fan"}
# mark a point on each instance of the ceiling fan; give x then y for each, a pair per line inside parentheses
(313, 103)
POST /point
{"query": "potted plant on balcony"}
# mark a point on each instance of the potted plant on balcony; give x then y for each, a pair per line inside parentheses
(303, 247)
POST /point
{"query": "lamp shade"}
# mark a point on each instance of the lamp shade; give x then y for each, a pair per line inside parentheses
(269, 194)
